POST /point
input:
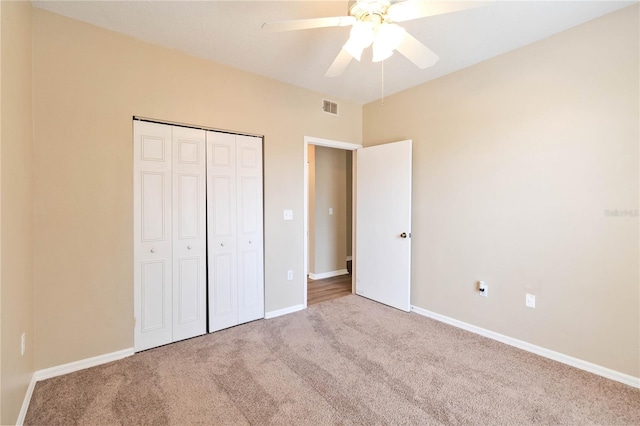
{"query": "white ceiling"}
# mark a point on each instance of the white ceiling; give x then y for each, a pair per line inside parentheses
(229, 32)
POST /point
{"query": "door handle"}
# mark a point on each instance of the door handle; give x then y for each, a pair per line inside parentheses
(153, 250)
(188, 247)
(404, 235)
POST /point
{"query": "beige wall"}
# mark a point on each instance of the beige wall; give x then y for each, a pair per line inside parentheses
(88, 83)
(515, 162)
(330, 191)
(17, 207)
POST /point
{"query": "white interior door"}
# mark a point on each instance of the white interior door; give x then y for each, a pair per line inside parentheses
(189, 234)
(249, 202)
(383, 224)
(221, 212)
(152, 235)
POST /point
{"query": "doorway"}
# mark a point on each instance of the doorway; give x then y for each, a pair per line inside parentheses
(330, 275)
(330, 221)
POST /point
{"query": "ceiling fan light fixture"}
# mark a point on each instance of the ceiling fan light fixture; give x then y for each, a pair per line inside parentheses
(353, 49)
(372, 22)
(380, 52)
(390, 36)
(361, 36)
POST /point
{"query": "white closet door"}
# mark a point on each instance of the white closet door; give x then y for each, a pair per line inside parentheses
(189, 234)
(250, 251)
(221, 212)
(152, 235)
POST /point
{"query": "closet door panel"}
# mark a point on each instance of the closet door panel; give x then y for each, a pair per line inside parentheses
(250, 239)
(222, 236)
(249, 272)
(188, 290)
(154, 188)
(223, 294)
(190, 202)
(249, 190)
(152, 235)
(154, 291)
(189, 233)
(222, 213)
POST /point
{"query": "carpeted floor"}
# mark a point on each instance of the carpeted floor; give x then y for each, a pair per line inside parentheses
(345, 361)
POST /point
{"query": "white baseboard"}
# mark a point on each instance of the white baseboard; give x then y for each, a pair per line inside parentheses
(329, 274)
(627, 379)
(285, 311)
(26, 401)
(59, 370)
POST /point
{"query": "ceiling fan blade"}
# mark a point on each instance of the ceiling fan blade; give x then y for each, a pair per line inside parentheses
(416, 9)
(339, 64)
(412, 49)
(304, 24)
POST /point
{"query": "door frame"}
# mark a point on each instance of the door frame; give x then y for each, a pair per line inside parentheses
(347, 146)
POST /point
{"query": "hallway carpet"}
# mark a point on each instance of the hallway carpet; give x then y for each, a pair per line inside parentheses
(345, 361)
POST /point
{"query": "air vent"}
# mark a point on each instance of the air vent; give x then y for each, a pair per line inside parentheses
(329, 107)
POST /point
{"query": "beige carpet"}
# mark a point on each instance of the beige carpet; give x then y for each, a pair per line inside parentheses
(345, 361)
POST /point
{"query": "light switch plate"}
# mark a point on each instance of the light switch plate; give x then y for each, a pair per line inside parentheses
(530, 300)
(288, 215)
(483, 288)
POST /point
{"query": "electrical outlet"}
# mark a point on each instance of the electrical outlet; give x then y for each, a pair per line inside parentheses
(288, 215)
(483, 288)
(23, 343)
(330, 210)
(289, 275)
(530, 300)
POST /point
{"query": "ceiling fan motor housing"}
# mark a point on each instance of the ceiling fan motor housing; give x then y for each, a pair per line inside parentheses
(365, 10)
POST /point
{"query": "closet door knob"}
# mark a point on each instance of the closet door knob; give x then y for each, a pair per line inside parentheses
(188, 247)
(221, 244)
(153, 250)
(250, 242)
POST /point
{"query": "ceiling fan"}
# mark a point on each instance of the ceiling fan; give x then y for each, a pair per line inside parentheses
(373, 23)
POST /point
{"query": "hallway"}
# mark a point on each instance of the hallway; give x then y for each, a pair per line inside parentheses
(328, 289)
